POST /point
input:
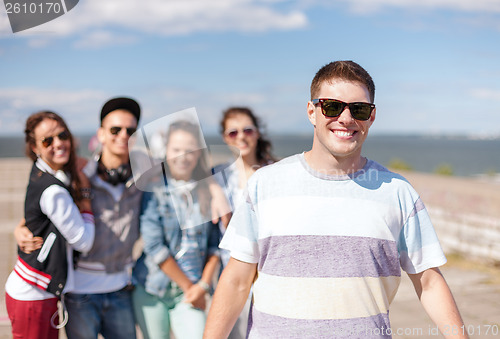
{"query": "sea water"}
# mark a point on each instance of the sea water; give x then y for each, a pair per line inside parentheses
(464, 156)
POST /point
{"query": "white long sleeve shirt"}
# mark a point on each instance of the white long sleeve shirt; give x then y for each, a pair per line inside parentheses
(77, 228)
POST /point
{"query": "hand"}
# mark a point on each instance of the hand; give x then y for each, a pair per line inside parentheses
(195, 296)
(25, 239)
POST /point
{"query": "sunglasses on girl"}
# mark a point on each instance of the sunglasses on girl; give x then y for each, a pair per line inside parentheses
(115, 130)
(332, 108)
(63, 136)
(247, 131)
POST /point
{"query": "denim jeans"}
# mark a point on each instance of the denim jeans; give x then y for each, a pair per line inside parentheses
(158, 316)
(110, 314)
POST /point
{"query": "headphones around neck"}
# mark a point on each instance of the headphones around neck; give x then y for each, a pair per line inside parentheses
(114, 176)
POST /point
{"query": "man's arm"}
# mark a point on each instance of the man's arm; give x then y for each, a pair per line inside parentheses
(229, 298)
(438, 302)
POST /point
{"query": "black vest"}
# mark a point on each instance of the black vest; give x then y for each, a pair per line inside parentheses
(48, 266)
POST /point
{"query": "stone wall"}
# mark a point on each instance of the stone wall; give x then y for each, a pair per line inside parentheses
(465, 213)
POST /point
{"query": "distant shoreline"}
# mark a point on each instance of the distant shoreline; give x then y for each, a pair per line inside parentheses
(457, 155)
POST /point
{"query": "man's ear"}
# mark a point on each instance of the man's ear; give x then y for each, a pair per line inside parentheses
(101, 135)
(311, 113)
(372, 116)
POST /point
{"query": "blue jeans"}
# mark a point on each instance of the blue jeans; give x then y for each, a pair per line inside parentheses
(110, 314)
(158, 316)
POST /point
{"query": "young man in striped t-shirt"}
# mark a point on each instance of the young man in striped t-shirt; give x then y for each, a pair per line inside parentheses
(323, 235)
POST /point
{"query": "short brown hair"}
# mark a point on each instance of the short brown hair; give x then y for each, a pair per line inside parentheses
(342, 70)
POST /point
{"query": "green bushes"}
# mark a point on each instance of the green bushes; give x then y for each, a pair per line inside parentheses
(444, 169)
(399, 164)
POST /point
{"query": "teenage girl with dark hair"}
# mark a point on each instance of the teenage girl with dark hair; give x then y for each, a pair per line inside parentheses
(241, 130)
(57, 209)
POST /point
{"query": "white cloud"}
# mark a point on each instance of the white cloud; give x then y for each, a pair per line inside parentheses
(80, 108)
(486, 93)
(367, 6)
(102, 38)
(269, 104)
(483, 20)
(29, 97)
(99, 21)
(208, 103)
(38, 43)
(16, 104)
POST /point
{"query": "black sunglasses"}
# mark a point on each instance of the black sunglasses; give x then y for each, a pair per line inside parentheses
(115, 130)
(333, 108)
(46, 142)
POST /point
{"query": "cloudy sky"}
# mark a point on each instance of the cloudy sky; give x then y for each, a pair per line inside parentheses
(436, 63)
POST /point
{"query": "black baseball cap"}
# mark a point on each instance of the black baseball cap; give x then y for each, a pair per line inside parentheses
(124, 103)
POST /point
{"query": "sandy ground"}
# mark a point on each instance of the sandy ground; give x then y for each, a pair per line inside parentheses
(476, 287)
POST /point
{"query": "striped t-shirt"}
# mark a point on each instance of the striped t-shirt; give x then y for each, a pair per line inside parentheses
(329, 248)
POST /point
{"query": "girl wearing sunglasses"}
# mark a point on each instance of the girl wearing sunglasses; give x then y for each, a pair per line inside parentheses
(58, 211)
(240, 130)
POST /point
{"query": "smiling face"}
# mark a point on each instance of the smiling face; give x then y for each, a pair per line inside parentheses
(183, 152)
(116, 145)
(57, 154)
(245, 142)
(342, 137)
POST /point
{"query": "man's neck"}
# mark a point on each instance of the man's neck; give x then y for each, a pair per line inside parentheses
(112, 161)
(332, 165)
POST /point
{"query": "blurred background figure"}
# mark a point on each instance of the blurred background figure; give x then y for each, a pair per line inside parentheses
(180, 257)
(241, 130)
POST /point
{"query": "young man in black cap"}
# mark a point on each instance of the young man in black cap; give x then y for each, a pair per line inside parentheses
(101, 300)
